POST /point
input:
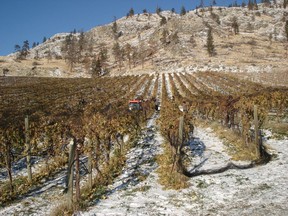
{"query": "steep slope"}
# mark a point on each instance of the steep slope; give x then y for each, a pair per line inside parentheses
(168, 42)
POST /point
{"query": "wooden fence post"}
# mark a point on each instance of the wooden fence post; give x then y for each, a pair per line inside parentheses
(70, 171)
(8, 162)
(256, 128)
(28, 150)
(179, 143)
(181, 127)
(90, 166)
(77, 170)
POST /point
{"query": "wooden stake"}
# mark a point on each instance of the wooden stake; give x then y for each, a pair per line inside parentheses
(181, 127)
(256, 128)
(90, 175)
(77, 179)
(28, 150)
(70, 174)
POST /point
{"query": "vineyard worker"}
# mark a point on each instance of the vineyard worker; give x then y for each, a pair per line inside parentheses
(156, 106)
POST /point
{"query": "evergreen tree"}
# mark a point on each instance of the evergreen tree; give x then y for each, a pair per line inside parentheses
(17, 48)
(44, 39)
(103, 55)
(34, 45)
(164, 36)
(145, 11)
(118, 54)
(115, 29)
(116, 49)
(96, 67)
(250, 5)
(81, 45)
(158, 10)
(70, 50)
(36, 54)
(131, 12)
(183, 11)
(235, 25)
(173, 10)
(25, 49)
(210, 42)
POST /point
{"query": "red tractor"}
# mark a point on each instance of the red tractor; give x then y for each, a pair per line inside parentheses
(135, 104)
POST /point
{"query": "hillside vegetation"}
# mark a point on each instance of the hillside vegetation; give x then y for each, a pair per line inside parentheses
(252, 43)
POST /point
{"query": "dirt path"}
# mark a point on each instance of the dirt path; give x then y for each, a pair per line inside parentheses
(126, 190)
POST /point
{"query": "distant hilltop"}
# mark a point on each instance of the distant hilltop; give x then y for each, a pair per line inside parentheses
(225, 39)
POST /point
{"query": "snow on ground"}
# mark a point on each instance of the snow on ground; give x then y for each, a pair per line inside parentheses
(168, 86)
(141, 90)
(208, 149)
(178, 87)
(257, 191)
(186, 84)
(19, 168)
(152, 85)
(41, 200)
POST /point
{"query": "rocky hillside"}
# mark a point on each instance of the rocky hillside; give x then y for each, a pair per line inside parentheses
(168, 42)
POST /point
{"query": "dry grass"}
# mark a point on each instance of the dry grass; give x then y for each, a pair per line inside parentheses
(169, 178)
(279, 129)
(108, 173)
(99, 188)
(235, 145)
(62, 209)
(21, 185)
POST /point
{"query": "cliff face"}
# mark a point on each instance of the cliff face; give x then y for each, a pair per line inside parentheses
(168, 42)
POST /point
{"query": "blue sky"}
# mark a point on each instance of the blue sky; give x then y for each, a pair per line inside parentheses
(33, 19)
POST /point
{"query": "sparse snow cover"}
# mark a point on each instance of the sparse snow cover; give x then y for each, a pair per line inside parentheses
(168, 87)
(141, 90)
(152, 85)
(177, 85)
(145, 33)
(257, 191)
(56, 73)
